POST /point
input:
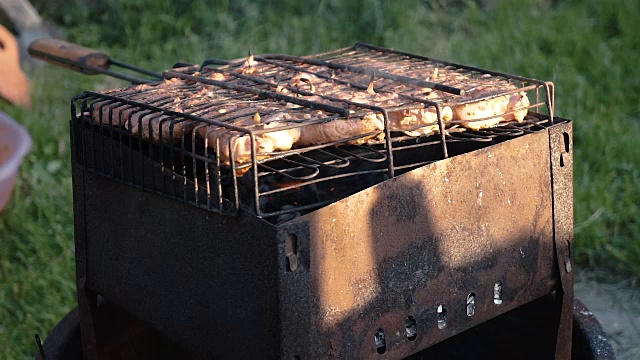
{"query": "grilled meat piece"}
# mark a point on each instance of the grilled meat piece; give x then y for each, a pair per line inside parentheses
(488, 113)
(153, 126)
(474, 115)
(281, 140)
(158, 127)
(410, 121)
(230, 143)
(236, 143)
(340, 129)
(517, 108)
(106, 112)
(292, 126)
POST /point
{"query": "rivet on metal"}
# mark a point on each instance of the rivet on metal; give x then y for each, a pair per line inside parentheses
(497, 293)
(410, 328)
(471, 304)
(442, 317)
(40, 348)
(381, 344)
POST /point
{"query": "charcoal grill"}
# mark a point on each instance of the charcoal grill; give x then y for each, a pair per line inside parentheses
(377, 245)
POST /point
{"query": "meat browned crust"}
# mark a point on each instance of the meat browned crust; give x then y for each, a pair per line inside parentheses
(489, 113)
(290, 125)
(341, 129)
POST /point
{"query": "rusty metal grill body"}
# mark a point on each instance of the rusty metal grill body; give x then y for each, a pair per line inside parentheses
(438, 237)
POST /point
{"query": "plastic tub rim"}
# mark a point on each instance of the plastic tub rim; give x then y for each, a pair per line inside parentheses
(10, 167)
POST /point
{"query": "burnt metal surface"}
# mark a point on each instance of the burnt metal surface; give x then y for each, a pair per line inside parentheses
(325, 284)
(429, 238)
(561, 152)
(533, 337)
(525, 333)
(87, 302)
(203, 280)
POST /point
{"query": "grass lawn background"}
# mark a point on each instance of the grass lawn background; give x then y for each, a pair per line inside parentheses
(589, 49)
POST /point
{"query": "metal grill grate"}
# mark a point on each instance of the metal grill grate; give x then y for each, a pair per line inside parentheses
(219, 135)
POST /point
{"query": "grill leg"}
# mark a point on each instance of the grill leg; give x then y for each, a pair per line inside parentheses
(560, 142)
(564, 337)
(87, 299)
(88, 306)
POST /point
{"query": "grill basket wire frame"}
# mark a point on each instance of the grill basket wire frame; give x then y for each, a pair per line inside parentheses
(208, 183)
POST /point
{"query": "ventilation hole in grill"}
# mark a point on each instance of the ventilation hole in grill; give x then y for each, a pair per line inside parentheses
(497, 293)
(471, 304)
(296, 357)
(567, 148)
(442, 317)
(567, 262)
(381, 344)
(291, 251)
(410, 328)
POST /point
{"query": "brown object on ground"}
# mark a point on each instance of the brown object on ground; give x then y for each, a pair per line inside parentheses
(14, 85)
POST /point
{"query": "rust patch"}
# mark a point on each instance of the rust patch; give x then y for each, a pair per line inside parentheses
(430, 237)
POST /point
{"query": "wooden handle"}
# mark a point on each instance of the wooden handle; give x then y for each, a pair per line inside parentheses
(69, 55)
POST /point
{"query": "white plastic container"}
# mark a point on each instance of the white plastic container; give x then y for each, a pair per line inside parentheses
(15, 142)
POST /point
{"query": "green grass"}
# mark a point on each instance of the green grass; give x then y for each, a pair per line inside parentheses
(590, 49)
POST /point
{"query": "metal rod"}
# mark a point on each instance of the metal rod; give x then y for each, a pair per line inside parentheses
(363, 158)
(389, 142)
(297, 90)
(341, 162)
(344, 82)
(314, 181)
(299, 208)
(315, 170)
(118, 75)
(265, 94)
(447, 63)
(159, 110)
(40, 348)
(138, 69)
(371, 72)
(445, 152)
(328, 97)
(215, 62)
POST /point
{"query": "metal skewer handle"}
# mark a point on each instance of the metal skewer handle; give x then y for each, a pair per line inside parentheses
(85, 60)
